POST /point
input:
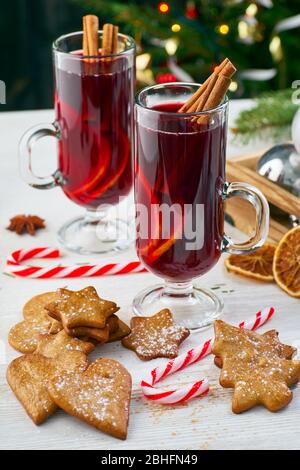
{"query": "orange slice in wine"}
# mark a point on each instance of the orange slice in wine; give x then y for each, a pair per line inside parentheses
(286, 265)
(104, 164)
(112, 180)
(257, 265)
(164, 246)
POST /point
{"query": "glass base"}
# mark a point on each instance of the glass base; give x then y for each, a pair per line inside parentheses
(191, 306)
(93, 235)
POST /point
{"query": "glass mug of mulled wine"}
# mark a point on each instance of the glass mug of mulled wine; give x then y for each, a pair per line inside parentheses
(94, 97)
(180, 189)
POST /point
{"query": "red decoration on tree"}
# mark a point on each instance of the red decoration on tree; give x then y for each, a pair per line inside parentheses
(191, 11)
(163, 7)
(165, 78)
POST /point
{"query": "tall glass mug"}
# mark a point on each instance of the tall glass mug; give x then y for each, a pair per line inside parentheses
(94, 126)
(180, 190)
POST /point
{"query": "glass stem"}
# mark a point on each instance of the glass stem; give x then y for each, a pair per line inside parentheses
(95, 215)
(178, 289)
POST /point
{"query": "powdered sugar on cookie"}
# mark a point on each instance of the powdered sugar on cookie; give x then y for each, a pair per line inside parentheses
(156, 336)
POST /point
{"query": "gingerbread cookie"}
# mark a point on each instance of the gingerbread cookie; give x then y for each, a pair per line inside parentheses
(282, 350)
(251, 365)
(100, 395)
(83, 308)
(24, 336)
(28, 377)
(122, 331)
(35, 306)
(156, 336)
(35, 309)
(113, 324)
(100, 335)
(53, 345)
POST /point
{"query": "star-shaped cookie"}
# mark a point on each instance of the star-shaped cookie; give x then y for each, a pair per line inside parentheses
(83, 308)
(251, 365)
(156, 336)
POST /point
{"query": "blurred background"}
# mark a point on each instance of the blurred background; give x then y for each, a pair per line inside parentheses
(176, 40)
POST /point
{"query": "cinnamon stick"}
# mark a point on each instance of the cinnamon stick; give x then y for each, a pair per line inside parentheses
(202, 100)
(189, 103)
(212, 92)
(110, 39)
(115, 40)
(218, 92)
(90, 36)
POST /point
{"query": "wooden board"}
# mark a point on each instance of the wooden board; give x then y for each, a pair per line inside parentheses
(243, 215)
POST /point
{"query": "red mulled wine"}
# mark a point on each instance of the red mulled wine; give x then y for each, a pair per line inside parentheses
(94, 114)
(179, 163)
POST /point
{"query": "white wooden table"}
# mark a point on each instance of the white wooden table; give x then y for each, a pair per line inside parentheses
(206, 423)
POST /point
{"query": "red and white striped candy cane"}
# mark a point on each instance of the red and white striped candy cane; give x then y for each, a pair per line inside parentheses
(192, 356)
(15, 267)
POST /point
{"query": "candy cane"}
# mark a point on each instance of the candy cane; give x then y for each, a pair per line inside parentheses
(192, 356)
(15, 267)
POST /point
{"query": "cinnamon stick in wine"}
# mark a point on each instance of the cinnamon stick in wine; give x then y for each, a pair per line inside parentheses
(191, 101)
(212, 92)
(90, 36)
(200, 103)
(110, 39)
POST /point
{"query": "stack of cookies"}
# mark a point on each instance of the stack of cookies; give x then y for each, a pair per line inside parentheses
(59, 330)
(82, 315)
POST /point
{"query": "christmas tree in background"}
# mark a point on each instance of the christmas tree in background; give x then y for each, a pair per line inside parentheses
(184, 40)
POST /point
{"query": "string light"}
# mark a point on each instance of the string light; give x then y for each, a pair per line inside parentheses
(142, 61)
(251, 10)
(224, 29)
(276, 49)
(143, 73)
(171, 46)
(243, 29)
(176, 28)
(163, 7)
(233, 86)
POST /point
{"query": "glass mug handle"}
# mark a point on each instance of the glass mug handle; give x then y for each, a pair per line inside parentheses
(26, 145)
(259, 202)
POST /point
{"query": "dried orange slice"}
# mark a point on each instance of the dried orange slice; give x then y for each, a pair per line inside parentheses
(286, 265)
(257, 265)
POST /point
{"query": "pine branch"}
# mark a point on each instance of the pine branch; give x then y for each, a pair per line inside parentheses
(270, 118)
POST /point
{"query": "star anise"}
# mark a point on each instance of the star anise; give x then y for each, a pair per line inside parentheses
(26, 224)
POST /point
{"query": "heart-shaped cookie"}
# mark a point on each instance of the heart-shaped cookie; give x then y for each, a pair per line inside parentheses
(24, 336)
(53, 345)
(28, 377)
(99, 396)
